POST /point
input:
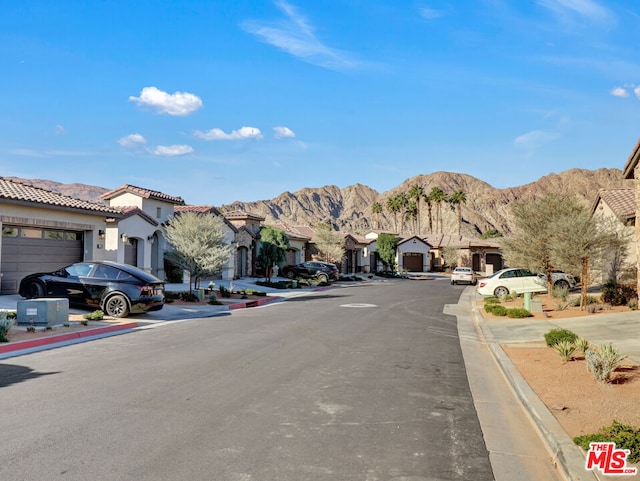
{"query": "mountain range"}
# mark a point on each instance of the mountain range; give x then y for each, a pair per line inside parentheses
(349, 209)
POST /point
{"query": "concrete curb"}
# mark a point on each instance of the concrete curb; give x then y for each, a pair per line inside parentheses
(566, 455)
(256, 303)
(26, 347)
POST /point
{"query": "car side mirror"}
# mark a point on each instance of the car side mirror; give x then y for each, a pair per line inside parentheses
(61, 273)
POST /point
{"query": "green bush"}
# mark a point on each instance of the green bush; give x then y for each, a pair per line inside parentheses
(188, 297)
(213, 300)
(603, 362)
(491, 300)
(94, 316)
(556, 335)
(496, 309)
(518, 313)
(565, 349)
(224, 292)
(253, 292)
(625, 437)
(5, 325)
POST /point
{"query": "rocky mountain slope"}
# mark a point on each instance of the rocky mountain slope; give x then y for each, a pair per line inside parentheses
(349, 208)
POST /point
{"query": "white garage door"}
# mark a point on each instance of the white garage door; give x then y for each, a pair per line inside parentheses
(26, 250)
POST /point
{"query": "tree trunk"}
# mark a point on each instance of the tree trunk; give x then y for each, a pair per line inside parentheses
(584, 282)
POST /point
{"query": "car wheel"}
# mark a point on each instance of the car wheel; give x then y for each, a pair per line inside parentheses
(500, 292)
(453, 283)
(290, 274)
(561, 284)
(475, 281)
(323, 278)
(116, 306)
(34, 290)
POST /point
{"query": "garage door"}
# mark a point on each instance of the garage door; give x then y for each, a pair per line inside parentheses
(412, 261)
(26, 250)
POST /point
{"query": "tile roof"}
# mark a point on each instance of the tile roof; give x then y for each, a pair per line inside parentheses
(439, 241)
(133, 210)
(204, 209)
(632, 161)
(621, 201)
(239, 214)
(142, 192)
(16, 191)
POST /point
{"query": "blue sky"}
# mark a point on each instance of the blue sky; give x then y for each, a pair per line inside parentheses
(217, 101)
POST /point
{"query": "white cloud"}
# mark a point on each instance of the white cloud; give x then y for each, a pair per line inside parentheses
(430, 13)
(132, 140)
(585, 8)
(535, 139)
(172, 150)
(178, 103)
(296, 36)
(637, 92)
(60, 130)
(619, 92)
(240, 134)
(281, 132)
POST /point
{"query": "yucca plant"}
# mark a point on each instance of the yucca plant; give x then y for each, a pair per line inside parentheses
(565, 348)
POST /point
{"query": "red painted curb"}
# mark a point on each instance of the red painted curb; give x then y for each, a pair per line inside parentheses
(20, 345)
(254, 303)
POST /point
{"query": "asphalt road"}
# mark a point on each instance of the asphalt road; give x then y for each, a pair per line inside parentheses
(358, 383)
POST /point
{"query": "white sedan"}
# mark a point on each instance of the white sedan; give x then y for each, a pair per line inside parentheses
(512, 280)
(463, 274)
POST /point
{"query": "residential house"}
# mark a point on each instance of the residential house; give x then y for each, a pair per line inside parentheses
(617, 207)
(482, 255)
(631, 171)
(137, 237)
(247, 240)
(43, 231)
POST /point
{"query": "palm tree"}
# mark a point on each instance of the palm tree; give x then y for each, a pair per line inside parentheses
(376, 209)
(412, 214)
(429, 201)
(458, 198)
(416, 193)
(403, 202)
(394, 207)
(438, 196)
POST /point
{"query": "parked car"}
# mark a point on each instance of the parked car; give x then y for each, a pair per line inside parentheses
(322, 271)
(116, 289)
(511, 280)
(561, 279)
(463, 274)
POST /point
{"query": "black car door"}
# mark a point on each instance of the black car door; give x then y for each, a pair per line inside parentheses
(97, 282)
(67, 282)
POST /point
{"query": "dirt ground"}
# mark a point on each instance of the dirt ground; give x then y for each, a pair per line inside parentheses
(579, 402)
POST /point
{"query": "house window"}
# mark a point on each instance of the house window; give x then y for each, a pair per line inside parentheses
(158, 212)
(53, 234)
(31, 233)
(9, 232)
(73, 236)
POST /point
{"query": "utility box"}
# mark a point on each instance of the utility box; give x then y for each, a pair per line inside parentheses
(535, 305)
(43, 312)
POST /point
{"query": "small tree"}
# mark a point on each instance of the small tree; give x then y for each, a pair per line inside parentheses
(273, 250)
(450, 256)
(330, 244)
(197, 244)
(387, 245)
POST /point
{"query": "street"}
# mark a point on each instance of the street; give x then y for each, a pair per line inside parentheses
(356, 383)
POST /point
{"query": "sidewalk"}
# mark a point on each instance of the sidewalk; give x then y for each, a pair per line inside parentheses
(622, 329)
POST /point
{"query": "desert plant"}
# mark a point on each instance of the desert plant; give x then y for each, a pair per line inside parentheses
(625, 437)
(617, 295)
(561, 293)
(5, 325)
(188, 297)
(633, 304)
(94, 316)
(565, 349)
(496, 309)
(574, 301)
(491, 300)
(31, 329)
(224, 292)
(518, 313)
(581, 344)
(603, 362)
(213, 300)
(556, 335)
(560, 306)
(592, 308)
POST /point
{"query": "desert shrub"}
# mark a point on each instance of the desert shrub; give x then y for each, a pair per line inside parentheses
(275, 285)
(561, 293)
(224, 292)
(561, 306)
(556, 335)
(491, 300)
(5, 325)
(625, 437)
(603, 362)
(253, 292)
(565, 349)
(591, 300)
(518, 313)
(188, 297)
(593, 308)
(574, 301)
(581, 344)
(633, 304)
(213, 300)
(617, 294)
(94, 316)
(509, 297)
(495, 309)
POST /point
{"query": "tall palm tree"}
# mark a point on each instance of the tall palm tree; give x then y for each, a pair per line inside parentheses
(458, 198)
(429, 201)
(416, 193)
(403, 202)
(438, 196)
(376, 209)
(412, 215)
(393, 206)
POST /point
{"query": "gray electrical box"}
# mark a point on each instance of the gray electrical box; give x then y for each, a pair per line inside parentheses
(43, 312)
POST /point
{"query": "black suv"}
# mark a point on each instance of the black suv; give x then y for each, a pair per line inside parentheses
(322, 271)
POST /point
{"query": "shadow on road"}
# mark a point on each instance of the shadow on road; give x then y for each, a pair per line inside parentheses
(12, 374)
